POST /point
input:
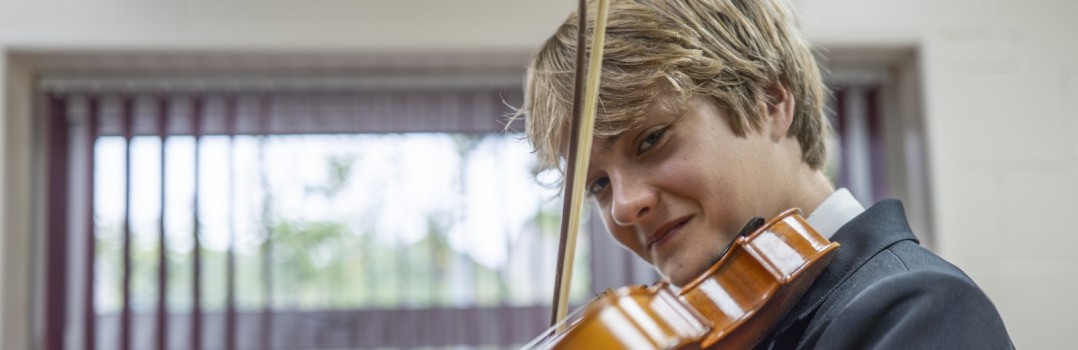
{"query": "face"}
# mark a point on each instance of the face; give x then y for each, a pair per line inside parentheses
(679, 187)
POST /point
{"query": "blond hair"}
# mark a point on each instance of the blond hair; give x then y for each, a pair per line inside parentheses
(730, 50)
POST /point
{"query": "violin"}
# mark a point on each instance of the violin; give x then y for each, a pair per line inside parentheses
(733, 304)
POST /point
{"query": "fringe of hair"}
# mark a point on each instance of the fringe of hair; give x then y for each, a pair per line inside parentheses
(730, 50)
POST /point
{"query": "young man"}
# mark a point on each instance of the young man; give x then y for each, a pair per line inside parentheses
(710, 114)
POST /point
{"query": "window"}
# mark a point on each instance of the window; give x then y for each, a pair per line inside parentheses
(303, 219)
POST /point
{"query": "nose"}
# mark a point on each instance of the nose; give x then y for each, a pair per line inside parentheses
(633, 201)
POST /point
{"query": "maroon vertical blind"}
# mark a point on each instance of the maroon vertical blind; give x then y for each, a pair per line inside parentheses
(127, 127)
(160, 115)
(196, 309)
(161, 331)
(56, 230)
(89, 315)
(857, 116)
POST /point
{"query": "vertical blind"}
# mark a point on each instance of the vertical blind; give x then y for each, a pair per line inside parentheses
(112, 277)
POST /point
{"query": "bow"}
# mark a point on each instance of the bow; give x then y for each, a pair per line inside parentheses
(580, 129)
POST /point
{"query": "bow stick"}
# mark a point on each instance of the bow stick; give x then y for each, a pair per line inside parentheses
(580, 129)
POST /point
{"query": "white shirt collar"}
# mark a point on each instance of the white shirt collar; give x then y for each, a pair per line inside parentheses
(835, 211)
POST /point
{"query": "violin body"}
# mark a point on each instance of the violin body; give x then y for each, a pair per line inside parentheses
(732, 305)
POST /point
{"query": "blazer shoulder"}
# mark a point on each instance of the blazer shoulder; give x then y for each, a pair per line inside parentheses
(923, 308)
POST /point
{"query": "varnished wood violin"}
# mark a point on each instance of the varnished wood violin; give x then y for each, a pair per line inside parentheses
(732, 305)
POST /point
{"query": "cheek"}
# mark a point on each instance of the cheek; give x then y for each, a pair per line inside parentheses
(624, 236)
(700, 179)
(718, 191)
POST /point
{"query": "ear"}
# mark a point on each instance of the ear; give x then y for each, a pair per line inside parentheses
(777, 109)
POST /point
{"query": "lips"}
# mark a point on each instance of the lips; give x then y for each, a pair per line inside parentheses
(664, 232)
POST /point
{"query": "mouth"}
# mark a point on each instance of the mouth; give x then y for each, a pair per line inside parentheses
(665, 232)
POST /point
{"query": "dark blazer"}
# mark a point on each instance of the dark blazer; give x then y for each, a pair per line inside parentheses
(884, 290)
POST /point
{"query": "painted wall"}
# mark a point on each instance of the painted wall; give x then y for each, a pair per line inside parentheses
(999, 80)
(1000, 84)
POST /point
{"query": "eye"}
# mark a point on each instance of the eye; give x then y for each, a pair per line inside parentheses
(597, 186)
(651, 140)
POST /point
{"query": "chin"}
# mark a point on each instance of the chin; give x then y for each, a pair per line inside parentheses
(688, 266)
(680, 282)
(681, 277)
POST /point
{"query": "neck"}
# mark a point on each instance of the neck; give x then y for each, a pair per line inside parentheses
(812, 190)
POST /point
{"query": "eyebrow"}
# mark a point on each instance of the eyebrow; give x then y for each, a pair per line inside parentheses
(604, 144)
(607, 143)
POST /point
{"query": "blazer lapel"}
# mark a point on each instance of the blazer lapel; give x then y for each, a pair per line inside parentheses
(862, 238)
